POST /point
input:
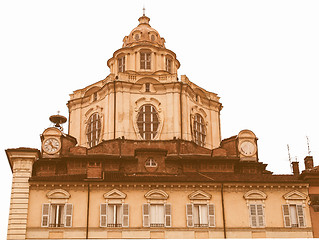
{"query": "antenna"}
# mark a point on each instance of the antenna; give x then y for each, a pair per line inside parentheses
(289, 157)
(308, 144)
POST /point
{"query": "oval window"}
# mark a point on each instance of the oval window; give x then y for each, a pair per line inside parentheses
(147, 122)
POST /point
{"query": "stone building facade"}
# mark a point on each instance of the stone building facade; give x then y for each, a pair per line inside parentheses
(144, 158)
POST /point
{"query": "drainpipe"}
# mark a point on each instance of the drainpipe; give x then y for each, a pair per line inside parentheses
(88, 213)
(181, 110)
(114, 118)
(223, 208)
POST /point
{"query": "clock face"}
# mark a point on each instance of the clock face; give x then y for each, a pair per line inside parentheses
(247, 148)
(51, 145)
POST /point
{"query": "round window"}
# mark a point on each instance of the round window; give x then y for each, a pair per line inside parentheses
(150, 163)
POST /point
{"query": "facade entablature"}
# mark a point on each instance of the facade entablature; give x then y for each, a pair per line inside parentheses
(198, 91)
(201, 100)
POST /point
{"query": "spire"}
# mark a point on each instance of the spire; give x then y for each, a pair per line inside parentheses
(144, 19)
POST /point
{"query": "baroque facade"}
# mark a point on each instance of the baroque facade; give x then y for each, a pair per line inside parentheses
(144, 158)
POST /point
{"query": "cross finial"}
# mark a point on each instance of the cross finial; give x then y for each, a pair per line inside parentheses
(143, 10)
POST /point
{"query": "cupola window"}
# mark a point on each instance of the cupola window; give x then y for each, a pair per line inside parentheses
(168, 65)
(121, 64)
(147, 87)
(199, 130)
(145, 60)
(147, 122)
(93, 131)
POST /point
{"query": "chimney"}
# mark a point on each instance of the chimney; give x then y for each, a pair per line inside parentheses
(308, 162)
(295, 168)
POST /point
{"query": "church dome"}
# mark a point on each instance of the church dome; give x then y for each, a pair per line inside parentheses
(142, 34)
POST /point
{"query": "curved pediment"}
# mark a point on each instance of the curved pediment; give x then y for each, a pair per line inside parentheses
(114, 194)
(58, 194)
(255, 195)
(199, 195)
(156, 194)
(295, 195)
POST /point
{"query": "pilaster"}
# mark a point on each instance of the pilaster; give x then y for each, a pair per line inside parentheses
(21, 161)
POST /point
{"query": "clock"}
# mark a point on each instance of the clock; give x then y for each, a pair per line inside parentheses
(247, 148)
(51, 145)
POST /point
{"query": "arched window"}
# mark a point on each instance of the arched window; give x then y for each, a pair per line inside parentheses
(147, 122)
(199, 130)
(93, 131)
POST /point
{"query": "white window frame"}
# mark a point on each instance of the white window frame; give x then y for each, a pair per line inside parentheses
(300, 215)
(147, 215)
(145, 60)
(199, 130)
(256, 199)
(121, 64)
(57, 198)
(190, 214)
(58, 221)
(256, 215)
(157, 197)
(294, 199)
(124, 215)
(114, 199)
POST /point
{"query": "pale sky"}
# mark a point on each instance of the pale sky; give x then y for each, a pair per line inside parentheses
(260, 57)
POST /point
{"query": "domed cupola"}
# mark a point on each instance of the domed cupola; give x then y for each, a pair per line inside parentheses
(144, 54)
(142, 34)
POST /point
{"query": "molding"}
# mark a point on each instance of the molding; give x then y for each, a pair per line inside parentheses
(156, 194)
(199, 195)
(114, 194)
(255, 195)
(295, 195)
(58, 194)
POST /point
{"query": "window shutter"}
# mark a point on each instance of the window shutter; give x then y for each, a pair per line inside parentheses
(68, 214)
(146, 215)
(211, 215)
(103, 215)
(45, 214)
(125, 221)
(189, 215)
(285, 211)
(168, 215)
(301, 218)
(253, 215)
(260, 215)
